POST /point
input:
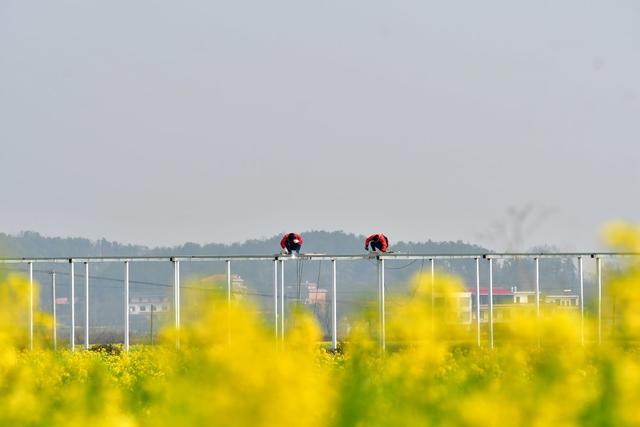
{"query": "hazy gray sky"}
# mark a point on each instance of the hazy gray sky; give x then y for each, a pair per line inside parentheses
(163, 122)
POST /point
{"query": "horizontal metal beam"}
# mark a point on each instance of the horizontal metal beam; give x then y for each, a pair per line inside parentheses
(559, 254)
(318, 257)
(141, 259)
(408, 256)
(224, 257)
(327, 257)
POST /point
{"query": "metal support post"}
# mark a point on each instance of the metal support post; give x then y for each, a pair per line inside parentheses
(478, 301)
(599, 273)
(432, 292)
(433, 285)
(537, 261)
(228, 262)
(53, 310)
(31, 306)
(581, 278)
(282, 297)
(176, 299)
(86, 306)
(334, 311)
(383, 343)
(72, 334)
(275, 297)
(491, 303)
(126, 305)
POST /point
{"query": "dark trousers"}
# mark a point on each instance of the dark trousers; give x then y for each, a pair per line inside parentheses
(293, 247)
(376, 246)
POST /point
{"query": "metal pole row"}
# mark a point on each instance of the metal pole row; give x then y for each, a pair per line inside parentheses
(538, 293)
(176, 264)
(279, 309)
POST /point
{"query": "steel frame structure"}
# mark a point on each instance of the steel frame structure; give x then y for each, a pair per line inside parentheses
(279, 261)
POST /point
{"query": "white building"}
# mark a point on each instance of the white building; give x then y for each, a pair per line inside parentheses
(562, 298)
(145, 305)
(465, 307)
(524, 297)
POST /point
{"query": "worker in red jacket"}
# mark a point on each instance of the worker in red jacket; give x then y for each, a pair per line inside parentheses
(378, 242)
(291, 242)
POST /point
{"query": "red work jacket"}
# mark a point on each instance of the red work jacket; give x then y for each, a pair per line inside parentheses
(283, 242)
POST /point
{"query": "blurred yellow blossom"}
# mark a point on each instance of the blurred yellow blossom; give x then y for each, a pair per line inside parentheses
(230, 370)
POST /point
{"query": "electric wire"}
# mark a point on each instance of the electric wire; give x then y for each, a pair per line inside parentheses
(402, 267)
(164, 285)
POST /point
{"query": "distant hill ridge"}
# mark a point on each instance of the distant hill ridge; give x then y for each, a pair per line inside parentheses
(33, 244)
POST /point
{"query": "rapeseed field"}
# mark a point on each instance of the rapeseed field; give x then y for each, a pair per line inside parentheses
(230, 371)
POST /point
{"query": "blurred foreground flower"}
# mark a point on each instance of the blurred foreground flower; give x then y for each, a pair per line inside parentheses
(230, 371)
